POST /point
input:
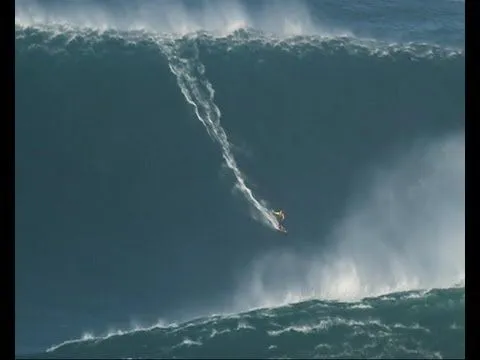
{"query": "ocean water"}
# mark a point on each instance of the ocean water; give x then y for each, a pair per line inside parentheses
(402, 325)
(153, 139)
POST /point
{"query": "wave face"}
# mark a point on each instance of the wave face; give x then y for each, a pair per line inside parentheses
(406, 325)
(149, 155)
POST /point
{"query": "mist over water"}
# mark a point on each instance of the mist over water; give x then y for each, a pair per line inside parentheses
(405, 231)
(442, 22)
(173, 17)
(354, 127)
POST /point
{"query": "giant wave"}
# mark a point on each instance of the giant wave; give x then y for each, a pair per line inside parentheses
(428, 324)
(405, 232)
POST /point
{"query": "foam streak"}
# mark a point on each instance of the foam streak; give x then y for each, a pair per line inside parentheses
(199, 92)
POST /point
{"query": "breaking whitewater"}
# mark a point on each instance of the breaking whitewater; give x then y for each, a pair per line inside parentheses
(410, 304)
(414, 324)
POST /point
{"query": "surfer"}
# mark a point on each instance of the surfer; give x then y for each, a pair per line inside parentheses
(280, 215)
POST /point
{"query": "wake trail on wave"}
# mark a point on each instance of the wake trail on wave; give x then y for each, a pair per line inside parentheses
(185, 64)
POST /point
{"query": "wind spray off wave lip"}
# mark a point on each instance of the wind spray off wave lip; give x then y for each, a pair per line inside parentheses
(441, 22)
(175, 17)
(408, 233)
(367, 252)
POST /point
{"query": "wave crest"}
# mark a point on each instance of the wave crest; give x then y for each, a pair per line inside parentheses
(61, 37)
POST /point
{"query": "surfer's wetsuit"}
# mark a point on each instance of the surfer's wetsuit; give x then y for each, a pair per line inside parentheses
(280, 217)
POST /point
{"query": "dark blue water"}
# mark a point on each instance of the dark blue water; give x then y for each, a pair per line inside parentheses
(348, 117)
(402, 325)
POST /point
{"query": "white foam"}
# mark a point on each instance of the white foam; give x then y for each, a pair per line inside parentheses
(407, 233)
(188, 343)
(325, 324)
(414, 326)
(286, 18)
(242, 324)
(90, 336)
(215, 332)
(288, 24)
(199, 93)
(85, 337)
(360, 306)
